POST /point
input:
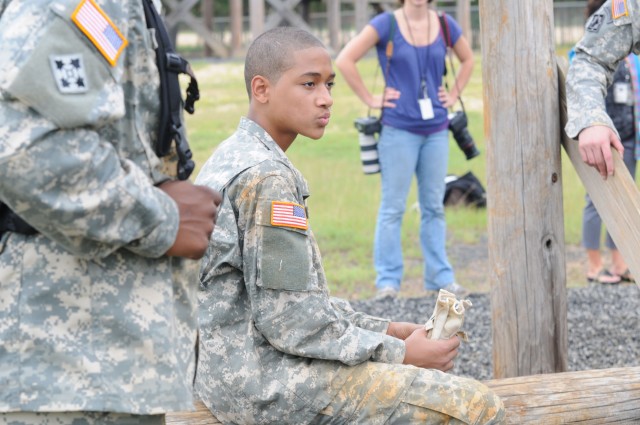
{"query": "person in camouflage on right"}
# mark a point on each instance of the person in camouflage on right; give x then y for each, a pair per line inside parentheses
(275, 348)
(611, 34)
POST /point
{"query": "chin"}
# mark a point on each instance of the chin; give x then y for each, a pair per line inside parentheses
(315, 135)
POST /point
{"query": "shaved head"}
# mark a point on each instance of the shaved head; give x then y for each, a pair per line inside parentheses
(271, 53)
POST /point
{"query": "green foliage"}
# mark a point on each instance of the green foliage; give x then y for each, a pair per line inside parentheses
(344, 201)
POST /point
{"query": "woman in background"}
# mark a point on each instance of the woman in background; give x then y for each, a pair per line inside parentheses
(414, 138)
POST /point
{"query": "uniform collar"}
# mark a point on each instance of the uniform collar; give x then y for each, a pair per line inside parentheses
(256, 131)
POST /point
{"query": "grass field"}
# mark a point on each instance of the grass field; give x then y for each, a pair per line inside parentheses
(344, 201)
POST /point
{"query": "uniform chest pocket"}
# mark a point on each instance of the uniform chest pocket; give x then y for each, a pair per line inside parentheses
(284, 259)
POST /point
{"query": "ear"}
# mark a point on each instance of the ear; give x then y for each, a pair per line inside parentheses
(260, 89)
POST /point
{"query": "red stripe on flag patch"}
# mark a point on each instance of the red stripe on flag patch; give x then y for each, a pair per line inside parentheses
(288, 214)
(619, 8)
(102, 32)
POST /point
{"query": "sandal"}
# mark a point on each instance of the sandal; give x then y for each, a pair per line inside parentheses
(605, 277)
(626, 276)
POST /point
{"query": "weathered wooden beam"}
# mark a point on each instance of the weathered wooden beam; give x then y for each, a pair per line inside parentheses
(200, 416)
(236, 27)
(463, 15)
(524, 188)
(617, 198)
(256, 17)
(335, 24)
(586, 397)
(361, 9)
(283, 11)
(206, 10)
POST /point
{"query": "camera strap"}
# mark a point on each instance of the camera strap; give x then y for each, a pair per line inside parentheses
(170, 65)
(446, 35)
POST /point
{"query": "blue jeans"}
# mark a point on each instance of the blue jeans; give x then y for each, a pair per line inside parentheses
(401, 155)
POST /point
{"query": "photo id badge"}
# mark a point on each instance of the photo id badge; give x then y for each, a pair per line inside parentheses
(426, 108)
(622, 93)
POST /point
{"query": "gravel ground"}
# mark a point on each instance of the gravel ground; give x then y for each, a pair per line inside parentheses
(603, 323)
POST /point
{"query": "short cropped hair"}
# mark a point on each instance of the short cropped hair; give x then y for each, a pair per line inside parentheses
(593, 6)
(271, 53)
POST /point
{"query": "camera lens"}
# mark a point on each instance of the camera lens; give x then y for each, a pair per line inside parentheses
(458, 127)
(369, 153)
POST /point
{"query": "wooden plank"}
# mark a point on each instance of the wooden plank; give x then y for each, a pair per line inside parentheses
(361, 10)
(201, 416)
(335, 24)
(283, 11)
(617, 198)
(206, 10)
(524, 188)
(585, 397)
(463, 15)
(256, 17)
(236, 27)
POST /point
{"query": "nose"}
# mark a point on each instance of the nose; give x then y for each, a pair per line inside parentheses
(325, 99)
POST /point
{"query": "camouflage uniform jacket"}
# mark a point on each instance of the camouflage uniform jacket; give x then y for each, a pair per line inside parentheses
(91, 314)
(274, 346)
(611, 34)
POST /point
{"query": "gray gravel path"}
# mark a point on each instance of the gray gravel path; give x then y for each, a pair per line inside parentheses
(603, 324)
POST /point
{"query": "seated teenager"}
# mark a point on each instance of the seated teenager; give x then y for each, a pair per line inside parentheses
(274, 346)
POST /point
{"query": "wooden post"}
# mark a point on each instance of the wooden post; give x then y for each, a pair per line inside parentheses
(524, 188)
(361, 10)
(206, 9)
(463, 12)
(236, 27)
(256, 17)
(335, 25)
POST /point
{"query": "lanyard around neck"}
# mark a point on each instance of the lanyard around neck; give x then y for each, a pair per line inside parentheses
(423, 76)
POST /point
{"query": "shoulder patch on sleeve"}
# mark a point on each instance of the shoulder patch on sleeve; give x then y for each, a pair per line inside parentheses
(99, 28)
(68, 71)
(619, 9)
(595, 22)
(288, 214)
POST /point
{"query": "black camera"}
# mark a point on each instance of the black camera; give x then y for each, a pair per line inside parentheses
(367, 128)
(368, 125)
(458, 126)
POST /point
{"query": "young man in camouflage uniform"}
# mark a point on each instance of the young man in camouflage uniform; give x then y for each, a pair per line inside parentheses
(275, 348)
(96, 322)
(611, 34)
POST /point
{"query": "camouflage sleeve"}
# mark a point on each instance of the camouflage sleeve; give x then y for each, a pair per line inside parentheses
(361, 320)
(286, 284)
(58, 169)
(606, 42)
(77, 191)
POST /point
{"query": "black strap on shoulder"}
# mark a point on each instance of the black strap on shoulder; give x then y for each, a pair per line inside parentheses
(170, 65)
(11, 222)
(446, 35)
(444, 28)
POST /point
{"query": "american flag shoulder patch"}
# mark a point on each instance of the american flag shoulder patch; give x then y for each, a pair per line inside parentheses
(99, 28)
(288, 214)
(619, 8)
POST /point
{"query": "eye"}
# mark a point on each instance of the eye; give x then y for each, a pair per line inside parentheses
(330, 85)
(309, 84)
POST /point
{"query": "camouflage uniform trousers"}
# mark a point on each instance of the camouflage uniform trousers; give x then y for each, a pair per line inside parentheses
(79, 418)
(434, 397)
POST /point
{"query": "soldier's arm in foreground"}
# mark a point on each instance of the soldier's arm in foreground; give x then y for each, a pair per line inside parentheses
(61, 173)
